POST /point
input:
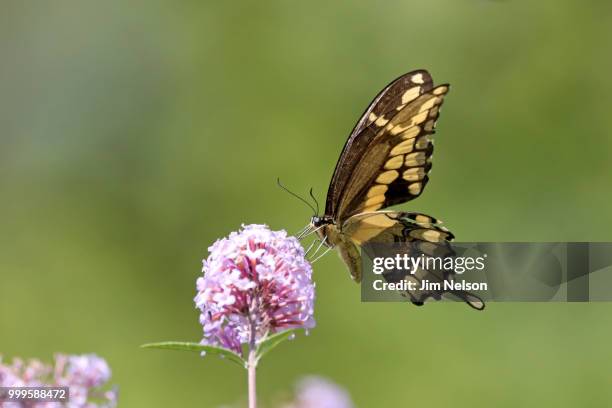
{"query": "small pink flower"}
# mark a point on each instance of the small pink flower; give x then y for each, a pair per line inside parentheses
(88, 370)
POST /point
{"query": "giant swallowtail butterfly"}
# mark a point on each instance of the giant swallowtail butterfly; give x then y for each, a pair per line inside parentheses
(386, 161)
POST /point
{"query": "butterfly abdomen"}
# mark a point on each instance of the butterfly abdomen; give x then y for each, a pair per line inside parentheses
(349, 253)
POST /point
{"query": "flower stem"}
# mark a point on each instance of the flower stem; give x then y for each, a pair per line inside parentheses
(252, 368)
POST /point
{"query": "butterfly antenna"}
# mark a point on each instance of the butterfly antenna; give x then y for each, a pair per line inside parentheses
(295, 195)
(315, 200)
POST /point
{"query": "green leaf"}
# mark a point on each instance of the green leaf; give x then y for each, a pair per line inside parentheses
(272, 341)
(197, 347)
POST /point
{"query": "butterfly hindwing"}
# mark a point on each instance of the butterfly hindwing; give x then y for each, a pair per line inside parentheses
(395, 226)
(416, 235)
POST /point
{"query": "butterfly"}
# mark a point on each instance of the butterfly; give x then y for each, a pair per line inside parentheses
(386, 161)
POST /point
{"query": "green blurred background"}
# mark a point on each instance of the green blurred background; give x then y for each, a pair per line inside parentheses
(134, 134)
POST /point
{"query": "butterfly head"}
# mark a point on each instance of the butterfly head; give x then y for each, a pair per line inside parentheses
(317, 221)
(321, 226)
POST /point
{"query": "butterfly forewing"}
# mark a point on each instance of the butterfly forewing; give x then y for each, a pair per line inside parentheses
(387, 104)
(393, 169)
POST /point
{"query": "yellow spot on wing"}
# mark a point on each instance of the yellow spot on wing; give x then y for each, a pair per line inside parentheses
(422, 142)
(423, 219)
(429, 104)
(372, 208)
(417, 79)
(378, 220)
(377, 190)
(427, 235)
(415, 159)
(387, 177)
(411, 132)
(441, 90)
(381, 121)
(402, 148)
(370, 226)
(415, 188)
(414, 174)
(415, 120)
(433, 236)
(374, 200)
(394, 163)
(411, 94)
(419, 118)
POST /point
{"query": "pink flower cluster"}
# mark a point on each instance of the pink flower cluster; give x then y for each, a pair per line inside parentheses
(83, 374)
(256, 282)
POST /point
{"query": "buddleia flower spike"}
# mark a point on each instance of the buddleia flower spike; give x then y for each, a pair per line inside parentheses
(256, 282)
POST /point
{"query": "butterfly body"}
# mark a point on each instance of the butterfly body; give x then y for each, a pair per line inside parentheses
(384, 162)
(332, 237)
